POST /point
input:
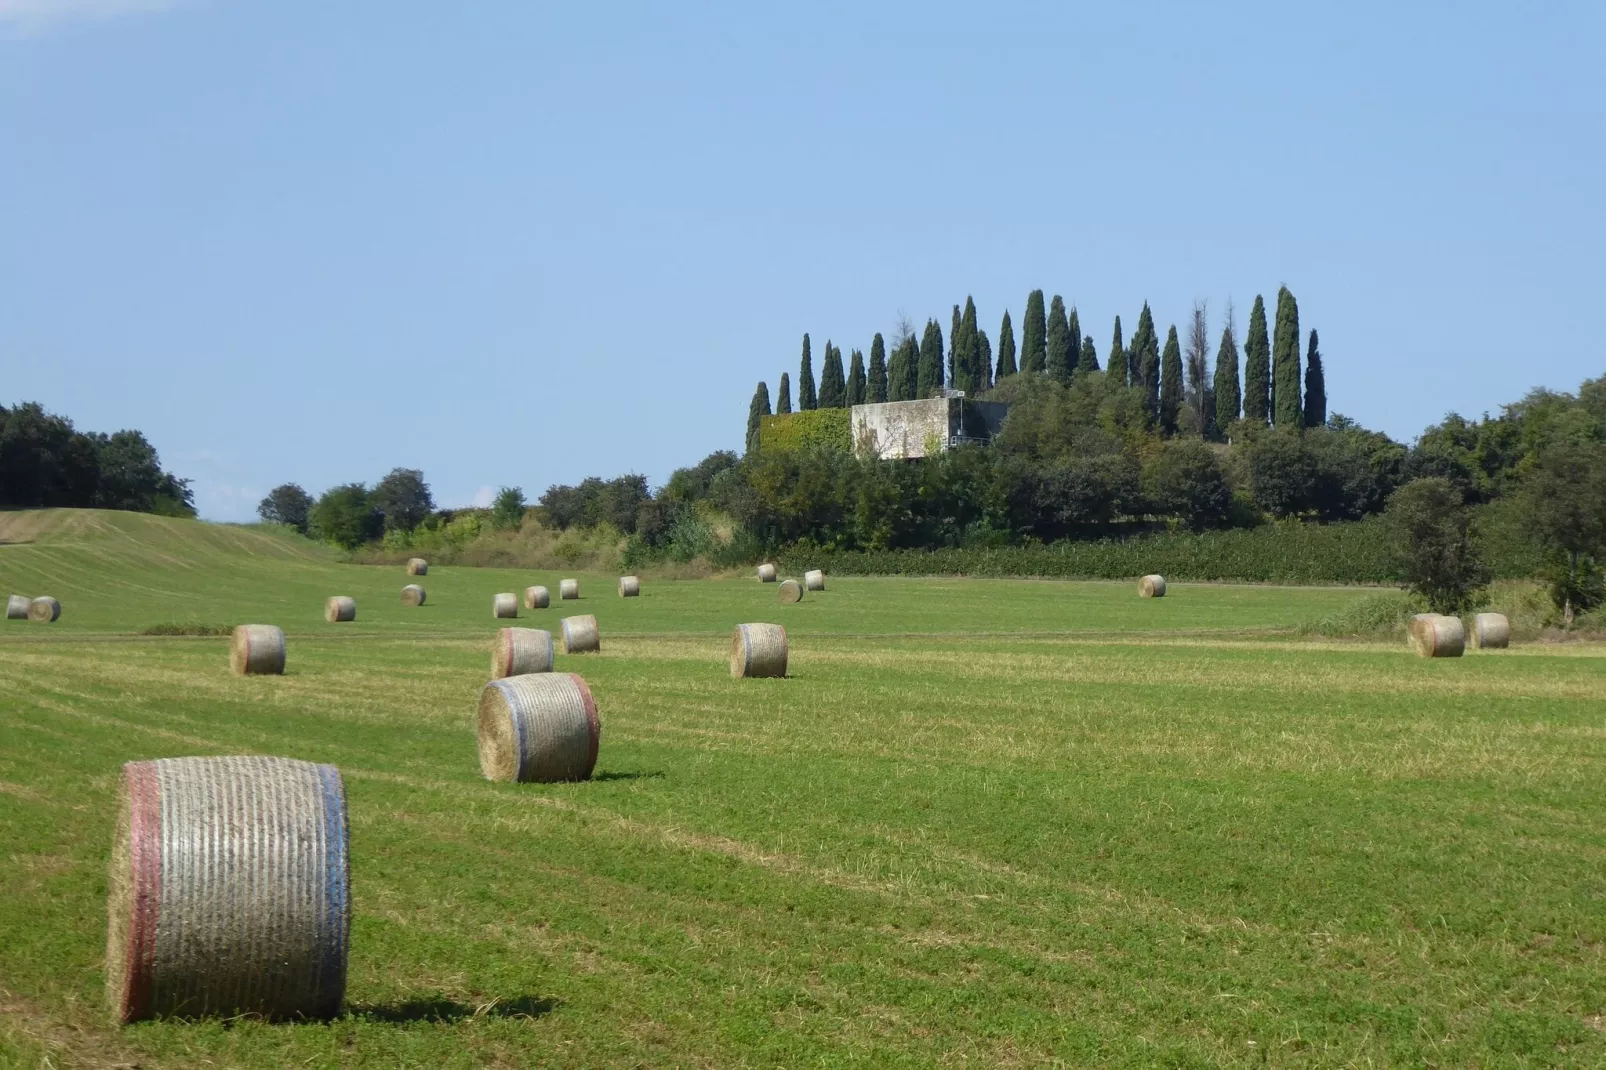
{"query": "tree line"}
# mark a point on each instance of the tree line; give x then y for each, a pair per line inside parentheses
(45, 462)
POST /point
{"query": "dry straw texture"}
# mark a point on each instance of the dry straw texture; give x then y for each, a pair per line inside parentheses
(814, 580)
(413, 595)
(521, 651)
(17, 607)
(1491, 631)
(766, 573)
(537, 598)
(340, 608)
(541, 728)
(228, 890)
(257, 649)
(1151, 587)
(1437, 636)
(791, 591)
(44, 609)
(568, 589)
(505, 606)
(758, 650)
(417, 566)
(629, 587)
(580, 635)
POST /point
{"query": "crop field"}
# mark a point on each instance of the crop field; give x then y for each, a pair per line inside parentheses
(983, 823)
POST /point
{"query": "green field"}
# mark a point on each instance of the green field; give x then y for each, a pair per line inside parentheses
(985, 823)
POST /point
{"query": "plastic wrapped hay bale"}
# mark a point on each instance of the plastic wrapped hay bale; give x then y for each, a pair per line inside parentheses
(413, 595)
(758, 650)
(257, 649)
(580, 635)
(228, 891)
(766, 573)
(1151, 587)
(521, 651)
(1434, 635)
(568, 589)
(814, 580)
(340, 608)
(17, 607)
(629, 587)
(791, 591)
(537, 598)
(1491, 631)
(505, 606)
(542, 728)
(417, 566)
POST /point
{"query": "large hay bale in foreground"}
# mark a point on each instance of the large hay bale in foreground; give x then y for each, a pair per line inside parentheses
(505, 606)
(1491, 631)
(229, 892)
(17, 607)
(766, 573)
(521, 651)
(340, 608)
(580, 635)
(44, 609)
(791, 591)
(758, 650)
(542, 728)
(629, 587)
(413, 595)
(1151, 587)
(417, 566)
(814, 580)
(537, 598)
(257, 649)
(1434, 635)
(568, 589)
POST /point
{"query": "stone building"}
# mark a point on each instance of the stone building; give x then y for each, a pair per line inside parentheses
(904, 430)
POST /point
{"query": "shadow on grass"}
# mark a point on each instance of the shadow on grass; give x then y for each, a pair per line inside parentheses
(446, 1010)
(611, 774)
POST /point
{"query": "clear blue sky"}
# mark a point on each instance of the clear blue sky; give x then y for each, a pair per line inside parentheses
(518, 244)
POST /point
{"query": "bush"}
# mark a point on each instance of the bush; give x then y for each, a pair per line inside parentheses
(346, 517)
(1435, 547)
(507, 511)
(1185, 480)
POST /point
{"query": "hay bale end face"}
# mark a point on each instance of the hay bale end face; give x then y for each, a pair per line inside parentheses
(1434, 635)
(1491, 631)
(758, 650)
(505, 606)
(580, 635)
(520, 652)
(766, 573)
(413, 595)
(814, 580)
(417, 566)
(340, 608)
(1151, 587)
(629, 587)
(17, 607)
(44, 609)
(228, 890)
(791, 591)
(568, 589)
(537, 598)
(542, 729)
(257, 650)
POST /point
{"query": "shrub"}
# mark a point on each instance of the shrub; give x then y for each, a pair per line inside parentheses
(1434, 544)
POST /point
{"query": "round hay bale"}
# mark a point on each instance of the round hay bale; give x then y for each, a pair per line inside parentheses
(44, 609)
(766, 573)
(1151, 587)
(814, 580)
(417, 566)
(1434, 635)
(413, 595)
(540, 729)
(505, 606)
(537, 598)
(1491, 631)
(629, 587)
(758, 650)
(580, 635)
(791, 591)
(568, 589)
(257, 649)
(340, 608)
(521, 651)
(17, 607)
(229, 891)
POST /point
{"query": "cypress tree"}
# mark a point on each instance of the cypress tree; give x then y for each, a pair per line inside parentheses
(833, 384)
(911, 367)
(1315, 386)
(1285, 405)
(856, 382)
(965, 355)
(1088, 359)
(806, 397)
(875, 387)
(783, 403)
(1170, 383)
(759, 409)
(1006, 347)
(1073, 330)
(898, 373)
(1143, 340)
(1117, 359)
(984, 362)
(928, 380)
(1034, 335)
(1229, 397)
(1058, 360)
(956, 348)
(1257, 366)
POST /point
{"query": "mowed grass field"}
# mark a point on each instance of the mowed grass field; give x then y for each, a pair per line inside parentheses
(983, 823)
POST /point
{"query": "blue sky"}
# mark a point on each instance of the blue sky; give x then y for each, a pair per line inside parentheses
(519, 244)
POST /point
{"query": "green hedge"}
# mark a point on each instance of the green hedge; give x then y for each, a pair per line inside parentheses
(796, 430)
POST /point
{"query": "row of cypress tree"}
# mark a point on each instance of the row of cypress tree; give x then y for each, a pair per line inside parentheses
(1269, 392)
